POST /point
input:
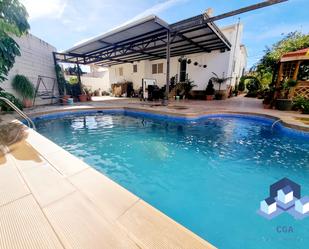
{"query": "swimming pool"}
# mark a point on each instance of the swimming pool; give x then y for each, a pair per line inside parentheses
(209, 175)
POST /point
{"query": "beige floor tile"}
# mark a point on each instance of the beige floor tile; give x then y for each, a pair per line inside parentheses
(66, 163)
(111, 198)
(41, 143)
(25, 156)
(46, 184)
(24, 226)
(12, 186)
(152, 229)
(80, 225)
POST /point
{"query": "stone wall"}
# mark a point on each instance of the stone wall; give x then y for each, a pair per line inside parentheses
(36, 59)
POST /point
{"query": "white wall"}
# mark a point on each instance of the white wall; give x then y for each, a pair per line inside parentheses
(95, 83)
(95, 80)
(227, 64)
(36, 59)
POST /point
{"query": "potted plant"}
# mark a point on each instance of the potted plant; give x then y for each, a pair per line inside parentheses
(79, 91)
(23, 86)
(284, 102)
(183, 89)
(220, 81)
(88, 92)
(210, 91)
(63, 86)
(84, 96)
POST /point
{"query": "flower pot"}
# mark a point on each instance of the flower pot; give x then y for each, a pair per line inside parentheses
(283, 104)
(83, 98)
(209, 97)
(267, 106)
(27, 103)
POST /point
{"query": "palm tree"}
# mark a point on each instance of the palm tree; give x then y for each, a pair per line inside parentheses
(219, 80)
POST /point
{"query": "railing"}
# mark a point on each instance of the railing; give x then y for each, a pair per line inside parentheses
(22, 114)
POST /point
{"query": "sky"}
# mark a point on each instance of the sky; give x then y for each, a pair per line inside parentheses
(64, 23)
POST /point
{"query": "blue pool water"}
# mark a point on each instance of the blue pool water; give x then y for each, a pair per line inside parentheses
(209, 175)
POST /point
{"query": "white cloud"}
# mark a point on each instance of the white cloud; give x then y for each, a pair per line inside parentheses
(156, 9)
(44, 8)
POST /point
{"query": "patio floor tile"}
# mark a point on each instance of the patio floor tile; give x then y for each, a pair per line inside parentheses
(112, 199)
(153, 229)
(12, 186)
(46, 184)
(80, 225)
(23, 225)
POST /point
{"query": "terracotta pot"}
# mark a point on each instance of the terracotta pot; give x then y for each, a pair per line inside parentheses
(209, 97)
(27, 103)
(83, 97)
(267, 106)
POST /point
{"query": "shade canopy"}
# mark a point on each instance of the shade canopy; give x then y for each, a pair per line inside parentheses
(146, 38)
(299, 55)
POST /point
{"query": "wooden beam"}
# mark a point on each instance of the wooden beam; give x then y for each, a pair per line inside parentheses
(296, 70)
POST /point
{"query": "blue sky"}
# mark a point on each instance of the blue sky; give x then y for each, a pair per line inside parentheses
(63, 23)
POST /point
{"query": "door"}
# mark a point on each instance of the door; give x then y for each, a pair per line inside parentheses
(183, 71)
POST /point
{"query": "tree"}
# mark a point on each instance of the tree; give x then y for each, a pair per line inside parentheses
(266, 67)
(13, 22)
(241, 85)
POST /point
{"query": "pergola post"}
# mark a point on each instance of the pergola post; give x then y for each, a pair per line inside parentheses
(295, 74)
(168, 54)
(79, 79)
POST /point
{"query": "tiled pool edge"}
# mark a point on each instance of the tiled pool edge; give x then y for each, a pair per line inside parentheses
(283, 125)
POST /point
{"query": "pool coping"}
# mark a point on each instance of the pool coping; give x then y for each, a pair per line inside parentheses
(284, 123)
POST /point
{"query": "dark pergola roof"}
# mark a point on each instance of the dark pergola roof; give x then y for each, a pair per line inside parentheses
(147, 39)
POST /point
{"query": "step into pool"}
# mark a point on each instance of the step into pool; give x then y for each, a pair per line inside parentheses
(210, 175)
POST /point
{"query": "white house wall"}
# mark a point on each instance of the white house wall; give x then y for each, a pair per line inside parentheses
(220, 63)
(36, 59)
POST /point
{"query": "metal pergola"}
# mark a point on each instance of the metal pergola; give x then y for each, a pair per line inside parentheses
(151, 38)
(147, 39)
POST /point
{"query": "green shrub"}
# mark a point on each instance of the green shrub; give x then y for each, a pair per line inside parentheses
(241, 85)
(253, 87)
(302, 104)
(210, 88)
(23, 86)
(60, 80)
(4, 106)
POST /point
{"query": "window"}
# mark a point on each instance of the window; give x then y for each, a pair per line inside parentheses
(120, 71)
(160, 68)
(154, 68)
(157, 68)
(135, 68)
